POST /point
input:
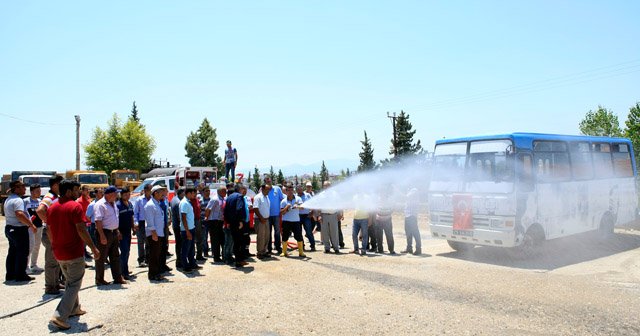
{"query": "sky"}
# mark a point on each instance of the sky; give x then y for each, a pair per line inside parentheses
(298, 82)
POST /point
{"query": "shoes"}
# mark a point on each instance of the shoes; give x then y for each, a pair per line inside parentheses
(363, 252)
(260, 256)
(338, 252)
(187, 270)
(327, 251)
(60, 324)
(166, 269)
(241, 264)
(417, 252)
(198, 267)
(201, 259)
(392, 253)
(217, 259)
(78, 312)
(313, 248)
(24, 278)
(158, 278)
(143, 264)
(121, 281)
(252, 254)
(51, 291)
(35, 269)
(60, 287)
(206, 255)
(169, 255)
(354, 252)
(101, 283)
(407, 251)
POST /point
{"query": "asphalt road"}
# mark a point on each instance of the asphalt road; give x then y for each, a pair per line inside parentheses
(576, 287)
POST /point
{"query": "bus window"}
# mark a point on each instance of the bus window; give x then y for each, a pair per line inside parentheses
(552, 160)
(581, 165)
(525, 173)
(449, 161)
(492, 161)
(622, 160)
(603, 167)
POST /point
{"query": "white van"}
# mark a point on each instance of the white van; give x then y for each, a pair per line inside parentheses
(165, 181)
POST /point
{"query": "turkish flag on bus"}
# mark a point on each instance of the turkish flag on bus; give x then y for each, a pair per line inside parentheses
(462, 212)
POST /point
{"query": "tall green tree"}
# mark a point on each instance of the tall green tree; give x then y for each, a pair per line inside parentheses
(314, 182)
(119, 146)
(256, 183)
(366, 156)
(348, 172)
(201, 147)
(134, 113)
(281, 179)
(272, 175)
(324, 173)
(601, 122)
(404, 143)
(632, 130)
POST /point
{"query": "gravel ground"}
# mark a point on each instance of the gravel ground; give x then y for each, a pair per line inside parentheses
(575, 288)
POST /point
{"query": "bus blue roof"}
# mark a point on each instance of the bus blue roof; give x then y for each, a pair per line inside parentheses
(525, 140)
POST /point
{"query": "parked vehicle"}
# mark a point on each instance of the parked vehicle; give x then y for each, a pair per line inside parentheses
(90, 178)
(28, 178)
(195, 176)
(125, 178)
(165, 181)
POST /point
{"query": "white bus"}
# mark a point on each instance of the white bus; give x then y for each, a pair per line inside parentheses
(517, 190)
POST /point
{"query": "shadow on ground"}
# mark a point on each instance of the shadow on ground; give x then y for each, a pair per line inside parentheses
(555, 253)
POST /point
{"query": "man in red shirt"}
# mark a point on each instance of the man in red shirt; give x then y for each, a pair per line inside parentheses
(68, 232)
(84, 201)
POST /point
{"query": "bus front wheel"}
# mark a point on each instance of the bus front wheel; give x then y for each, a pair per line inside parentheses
(459, 246)
(531, 243)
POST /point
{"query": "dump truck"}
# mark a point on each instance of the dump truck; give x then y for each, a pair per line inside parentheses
(125, 178)
(89, 178)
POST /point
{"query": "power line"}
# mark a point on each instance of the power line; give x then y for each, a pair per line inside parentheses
(36, 122)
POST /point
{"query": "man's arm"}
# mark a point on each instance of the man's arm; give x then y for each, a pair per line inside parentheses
(24, 219)
(99, 225)
(236, 162)
(150, 221)
(41, 211)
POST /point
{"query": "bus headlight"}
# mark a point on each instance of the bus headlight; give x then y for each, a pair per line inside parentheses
(434, 218)
(497, 223)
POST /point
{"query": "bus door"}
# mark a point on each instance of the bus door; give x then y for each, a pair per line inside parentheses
(526, 202)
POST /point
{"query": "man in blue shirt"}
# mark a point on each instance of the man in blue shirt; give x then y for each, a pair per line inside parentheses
(154, 232)
(187, 231)
(139, 222)
(305, 217)
(175, 224)
(230, 162)
(275, 197)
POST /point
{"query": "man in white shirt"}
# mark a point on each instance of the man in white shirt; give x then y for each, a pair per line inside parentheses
(262, 208)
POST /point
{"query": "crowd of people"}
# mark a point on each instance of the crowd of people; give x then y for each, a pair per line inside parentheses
(74, 229)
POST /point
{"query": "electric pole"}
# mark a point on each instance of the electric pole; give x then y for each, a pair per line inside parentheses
(395, 140)
(77, 142)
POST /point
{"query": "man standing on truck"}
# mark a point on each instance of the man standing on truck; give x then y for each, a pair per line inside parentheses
(52, 283)
(230, 162)
(17, 232)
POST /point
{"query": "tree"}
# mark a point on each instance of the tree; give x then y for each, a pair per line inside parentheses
(134, 113)
(256, 183)
(314, 182)
(295, 180)
(366, 156)
(202, 145)
(632, 130)
(601, 122)
(272, 174)
(249, 178)
(404, 145)
(281, 177)
(119, 146)
(324, 173)
(348, 172)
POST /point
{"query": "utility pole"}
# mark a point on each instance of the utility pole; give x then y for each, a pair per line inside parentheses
(395, 140)
(77, 142)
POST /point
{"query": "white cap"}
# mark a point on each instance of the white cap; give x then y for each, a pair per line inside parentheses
(156, 188)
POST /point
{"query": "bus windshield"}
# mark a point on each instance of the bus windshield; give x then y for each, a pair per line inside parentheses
(127, 176)
(93, 178)
(43, 181)
(449, 161)
(490, 161)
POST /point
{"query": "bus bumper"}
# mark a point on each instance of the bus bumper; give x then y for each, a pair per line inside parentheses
(488, 237)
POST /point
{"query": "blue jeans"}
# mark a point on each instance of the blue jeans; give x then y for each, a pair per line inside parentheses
(230, 168)
(125, 249)
(274, 225)
(18, 254)
(308, 225)
(360, 225)
(227, 251)
(188, 251)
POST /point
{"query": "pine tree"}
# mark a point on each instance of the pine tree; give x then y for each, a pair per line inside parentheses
(324, 173)
(256, 183)
(348, 172)
(404, 138)
(366, 156)
(314, 182)
(248, 180)
(201, 146)
(295, 180)
(281, 177)
(633, 129)
(134, 113)
(272, 175)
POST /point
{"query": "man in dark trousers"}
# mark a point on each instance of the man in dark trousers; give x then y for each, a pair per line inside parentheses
(175, 224)
(236, 216)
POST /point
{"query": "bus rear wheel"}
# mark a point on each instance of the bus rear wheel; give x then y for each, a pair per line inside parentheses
(459, 246)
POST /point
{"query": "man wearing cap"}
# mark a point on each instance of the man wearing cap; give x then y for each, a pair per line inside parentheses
(187, 231)
(17, 232)
(154, 232)
(125, 227)
(108, 236)
(52, 273)
(69, 234)
(139, 222)
(230, 162)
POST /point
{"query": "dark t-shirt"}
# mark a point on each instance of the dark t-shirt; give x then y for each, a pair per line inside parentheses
(125, 220)
(62, 218)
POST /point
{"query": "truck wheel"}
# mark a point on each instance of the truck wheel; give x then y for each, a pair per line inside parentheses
(605, 230)
(531, 243)
(459, 246)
